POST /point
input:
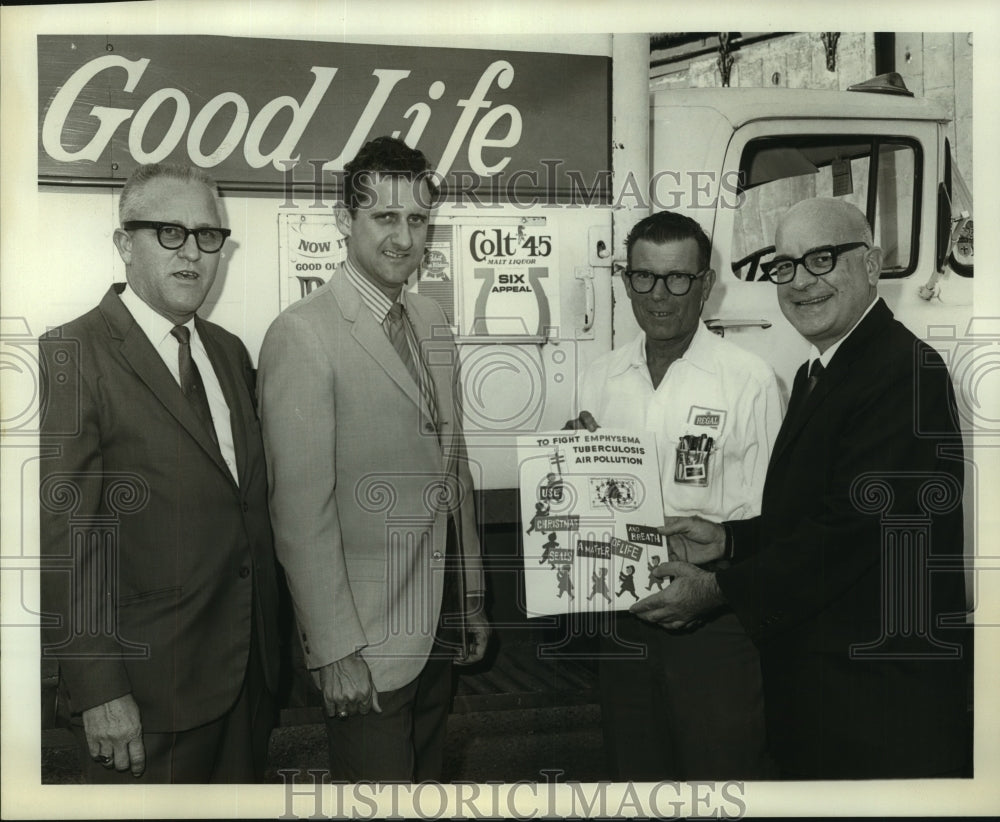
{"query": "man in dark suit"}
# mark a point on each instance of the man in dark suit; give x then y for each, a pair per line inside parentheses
(862, 677)
(160, 592)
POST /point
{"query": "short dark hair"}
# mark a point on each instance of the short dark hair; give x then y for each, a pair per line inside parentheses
(669, 226)
(381, 157)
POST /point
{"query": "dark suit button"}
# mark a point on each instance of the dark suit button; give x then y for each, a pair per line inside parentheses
(246, 507)
(244, 572)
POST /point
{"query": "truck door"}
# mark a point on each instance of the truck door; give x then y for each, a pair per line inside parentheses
(888, 169)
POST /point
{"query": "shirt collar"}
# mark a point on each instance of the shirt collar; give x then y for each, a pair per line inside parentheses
(827, 355)
(155, 326)
(698, 352)
(378, 303)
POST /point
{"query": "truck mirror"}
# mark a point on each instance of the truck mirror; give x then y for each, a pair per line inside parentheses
(961, 257)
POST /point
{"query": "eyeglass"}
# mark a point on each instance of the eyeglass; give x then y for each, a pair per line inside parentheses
(817, 262)
(172, 236)
(678, 283)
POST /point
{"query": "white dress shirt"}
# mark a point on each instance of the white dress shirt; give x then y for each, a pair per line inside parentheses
(157, 329)
(716, 389)
(827, 355)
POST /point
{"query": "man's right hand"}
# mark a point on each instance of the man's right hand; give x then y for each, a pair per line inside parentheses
(693, 539)
(584, 421)
(348, 688)
(114, 731)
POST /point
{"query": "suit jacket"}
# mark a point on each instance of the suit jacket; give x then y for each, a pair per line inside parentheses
(361, 486)
(159, 565)
(867, 471)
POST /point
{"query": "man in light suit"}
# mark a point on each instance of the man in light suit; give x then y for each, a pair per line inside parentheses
(371, 493)
(863, 678)
(159, 594)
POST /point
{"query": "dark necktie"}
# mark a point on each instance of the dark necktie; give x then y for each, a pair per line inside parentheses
(191, 383)
(815, 373)
(803, 388)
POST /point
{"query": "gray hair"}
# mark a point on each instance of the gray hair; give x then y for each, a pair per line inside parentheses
(131, 196)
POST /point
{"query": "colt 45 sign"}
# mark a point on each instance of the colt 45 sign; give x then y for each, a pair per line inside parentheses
(510, 283)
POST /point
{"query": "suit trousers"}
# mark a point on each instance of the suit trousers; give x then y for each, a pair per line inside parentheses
(403, 743)
(688, 705)
(230, 749)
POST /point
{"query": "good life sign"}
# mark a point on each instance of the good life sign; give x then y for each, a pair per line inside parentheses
(259, 113)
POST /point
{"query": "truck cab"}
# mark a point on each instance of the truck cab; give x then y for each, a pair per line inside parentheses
(761, 150)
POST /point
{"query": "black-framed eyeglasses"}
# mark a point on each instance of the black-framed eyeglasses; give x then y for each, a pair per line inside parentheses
(818, 261)
(678, 283)
(172, 236)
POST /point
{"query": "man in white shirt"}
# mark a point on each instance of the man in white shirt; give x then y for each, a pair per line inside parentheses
(690, 707)
(160, 582)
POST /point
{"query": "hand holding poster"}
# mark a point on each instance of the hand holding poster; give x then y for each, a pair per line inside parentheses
(591, 505)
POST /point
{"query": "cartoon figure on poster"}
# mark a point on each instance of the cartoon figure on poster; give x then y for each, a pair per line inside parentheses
(654, 580)
(627, 580)
(547, 549)
(599, 584)
(541, 511)
(565, 578)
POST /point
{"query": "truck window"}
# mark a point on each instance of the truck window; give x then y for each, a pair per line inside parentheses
(881, 176)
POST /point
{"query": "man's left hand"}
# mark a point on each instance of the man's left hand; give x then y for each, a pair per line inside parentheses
(478, 631)
(691, 594)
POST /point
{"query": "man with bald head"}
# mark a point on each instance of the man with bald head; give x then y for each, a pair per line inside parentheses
(862, 676)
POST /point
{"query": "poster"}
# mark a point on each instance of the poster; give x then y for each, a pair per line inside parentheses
(311, 247)
(510, 279)
(590, 507)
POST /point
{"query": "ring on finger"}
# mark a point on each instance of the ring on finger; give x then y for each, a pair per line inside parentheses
(103, 759)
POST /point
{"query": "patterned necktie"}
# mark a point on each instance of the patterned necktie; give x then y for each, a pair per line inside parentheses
(191, 384)
(397, 335)
(396, 322)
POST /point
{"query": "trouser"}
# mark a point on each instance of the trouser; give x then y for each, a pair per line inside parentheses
(230, 749)
(403, 743)
(690, 707)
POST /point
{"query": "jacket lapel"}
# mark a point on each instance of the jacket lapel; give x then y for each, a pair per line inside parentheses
(839, 370)
(791, 414)
(138, 351)
(371, 337)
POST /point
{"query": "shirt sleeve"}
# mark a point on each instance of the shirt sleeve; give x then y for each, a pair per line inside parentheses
(758, 419)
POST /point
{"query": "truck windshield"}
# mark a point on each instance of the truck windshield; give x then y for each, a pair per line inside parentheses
(879, 175)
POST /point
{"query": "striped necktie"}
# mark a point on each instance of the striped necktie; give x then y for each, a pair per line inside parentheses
(397, 335)
(396, 322)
